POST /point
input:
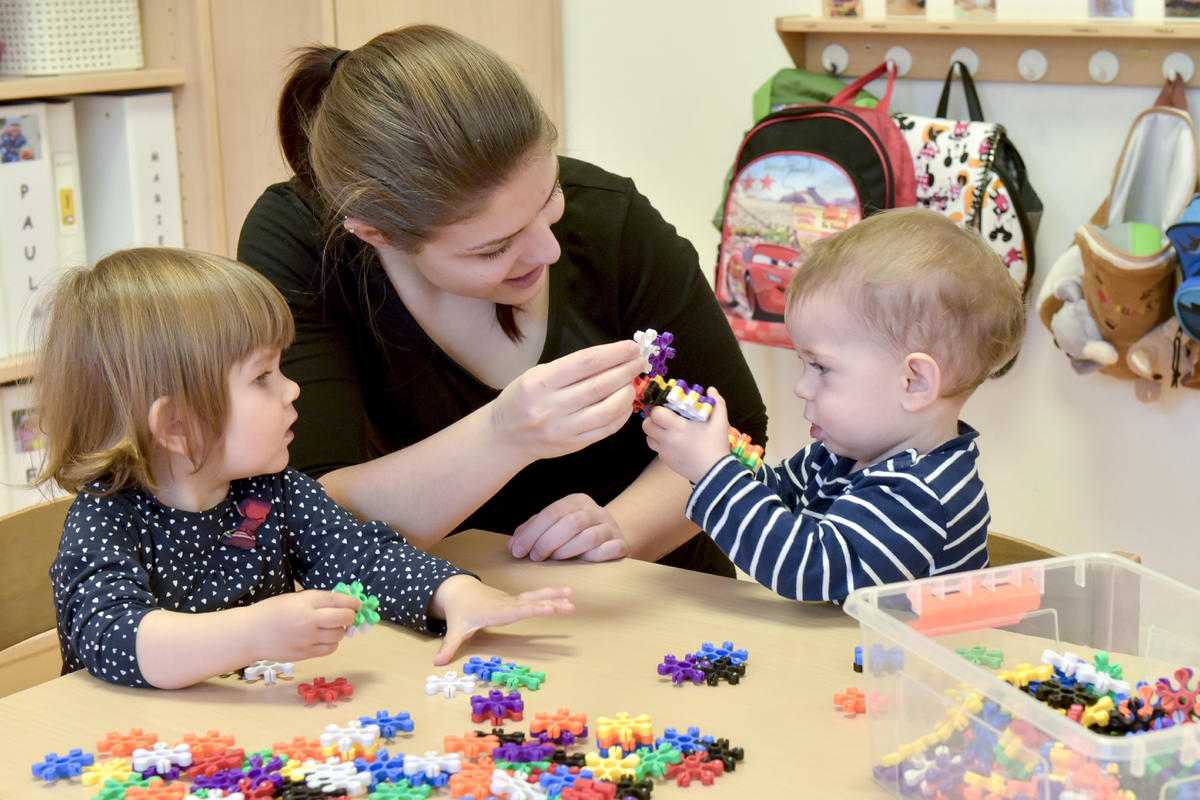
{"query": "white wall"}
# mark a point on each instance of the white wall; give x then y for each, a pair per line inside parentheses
(660, 91)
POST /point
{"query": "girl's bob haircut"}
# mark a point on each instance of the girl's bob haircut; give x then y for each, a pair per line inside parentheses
(143, 324)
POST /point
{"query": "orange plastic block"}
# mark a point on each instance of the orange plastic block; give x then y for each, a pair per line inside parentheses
(972, 604)
(122, 745)
(300, 749)
(471, 744)
(852, 701)
(561, 720)
(473, 780)
(208, 744)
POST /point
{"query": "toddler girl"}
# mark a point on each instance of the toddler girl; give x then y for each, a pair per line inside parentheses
(165, 411)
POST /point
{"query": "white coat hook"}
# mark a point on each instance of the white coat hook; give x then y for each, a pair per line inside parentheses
(1180, 64)
(835, 59)
(902, 58)
(967, 56)
(1032, 65)
(1103, 66)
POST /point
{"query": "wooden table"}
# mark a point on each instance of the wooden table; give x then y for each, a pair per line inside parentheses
(600, 661)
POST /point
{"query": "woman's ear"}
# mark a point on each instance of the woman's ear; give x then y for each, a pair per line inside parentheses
(922, 381)
(168, 426)
(368, 233)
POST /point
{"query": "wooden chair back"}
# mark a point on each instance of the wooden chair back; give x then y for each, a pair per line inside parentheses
(28, 644)
(1004, 550)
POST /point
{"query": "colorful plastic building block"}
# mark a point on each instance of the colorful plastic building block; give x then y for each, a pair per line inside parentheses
(162, 760)
(498, 707)
(720, 750)
(351, 742)
(561, 727)
(433, 768)
(858, 665)
(254, 512)
(629, 733)
(613, 766)
(390, 724)
(342, 776)
(519, 677)
(564, 759)
(384, 767)
(694, 767)
(402, 790)
(689, 402)
(323, 690)
(368, 614)
(686, 743)
(980, 655)
(515, 787)
(269, 671)
(656, 350)
(681, 670)
(449, 684)
(633, 789)
(523, 753)
(231, 758)
(590, 789)
(709, 652)
(53, 766)
(483, 670)
(114, 789)
(207, 744)
(655, 762)
(474, 780)
(744, 450)
(471, 744)
(120, 745)
(561, 777)
(950, 605)
(503, 736)
(852, 701)
(722, 669)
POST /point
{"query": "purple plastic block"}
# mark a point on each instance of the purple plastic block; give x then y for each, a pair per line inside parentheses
(497, 706)
(523, 753)
(658, 361)
(566, 738)
(687, 669)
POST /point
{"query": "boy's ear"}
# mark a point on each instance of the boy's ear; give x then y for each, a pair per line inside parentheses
(368, 233)
(922, 381)
(168, 426)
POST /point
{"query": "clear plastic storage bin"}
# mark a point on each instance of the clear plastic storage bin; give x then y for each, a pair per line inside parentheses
(943, 726)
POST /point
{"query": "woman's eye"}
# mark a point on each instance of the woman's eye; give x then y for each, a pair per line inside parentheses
(496, 253)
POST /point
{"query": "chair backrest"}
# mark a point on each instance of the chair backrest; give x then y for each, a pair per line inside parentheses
(1004, 550)
(29, 540)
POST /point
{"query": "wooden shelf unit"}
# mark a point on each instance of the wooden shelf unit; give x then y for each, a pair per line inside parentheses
(1140, 47)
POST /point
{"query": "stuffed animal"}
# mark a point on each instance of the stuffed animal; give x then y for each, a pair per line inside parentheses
(1165, 353)
(1075, 331)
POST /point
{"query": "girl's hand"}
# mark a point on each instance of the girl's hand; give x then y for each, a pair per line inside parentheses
(690, 448)
(561, 407)
(573, 527)
(468, 605)
(300, 625)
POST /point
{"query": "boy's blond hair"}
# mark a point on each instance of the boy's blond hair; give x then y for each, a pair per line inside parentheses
(924, 284)
(143, 324)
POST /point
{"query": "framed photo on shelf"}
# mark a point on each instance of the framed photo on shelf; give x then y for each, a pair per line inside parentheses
(1182, 9)
(837, 9)
(906, 8)
(975, 10)
(1110, 9)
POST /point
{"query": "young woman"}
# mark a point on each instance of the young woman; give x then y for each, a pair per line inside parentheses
(465, 302)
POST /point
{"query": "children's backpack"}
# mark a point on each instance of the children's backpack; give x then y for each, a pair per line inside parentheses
(1117, 281)
(971, 172)
(802, 173)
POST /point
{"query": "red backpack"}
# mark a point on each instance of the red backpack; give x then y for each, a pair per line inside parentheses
(802, 173)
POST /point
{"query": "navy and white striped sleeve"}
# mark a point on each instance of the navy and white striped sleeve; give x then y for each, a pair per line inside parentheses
(889, 526)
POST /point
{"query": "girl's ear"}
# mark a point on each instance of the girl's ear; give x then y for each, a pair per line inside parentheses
(922, 381)
(368, 233)
(168, 426)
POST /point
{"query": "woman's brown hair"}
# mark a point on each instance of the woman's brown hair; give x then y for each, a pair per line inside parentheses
(410, 133)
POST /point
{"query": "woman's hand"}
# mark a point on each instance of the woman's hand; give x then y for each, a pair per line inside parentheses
(688, 447)
(300, 625)
(563, 406)
(468, 605)
(573, 527)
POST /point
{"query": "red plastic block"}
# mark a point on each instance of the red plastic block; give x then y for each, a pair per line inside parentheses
(328, 691)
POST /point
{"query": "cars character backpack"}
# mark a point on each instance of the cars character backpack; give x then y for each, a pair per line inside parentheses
(802, 173)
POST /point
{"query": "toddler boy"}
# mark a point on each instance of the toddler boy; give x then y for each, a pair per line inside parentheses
(896, 321)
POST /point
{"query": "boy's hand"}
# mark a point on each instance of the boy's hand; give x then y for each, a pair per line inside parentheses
(690, 448)
(300, 625)
(468, 605)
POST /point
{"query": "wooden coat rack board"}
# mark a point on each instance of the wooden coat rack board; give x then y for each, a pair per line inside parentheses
(1068, 47)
